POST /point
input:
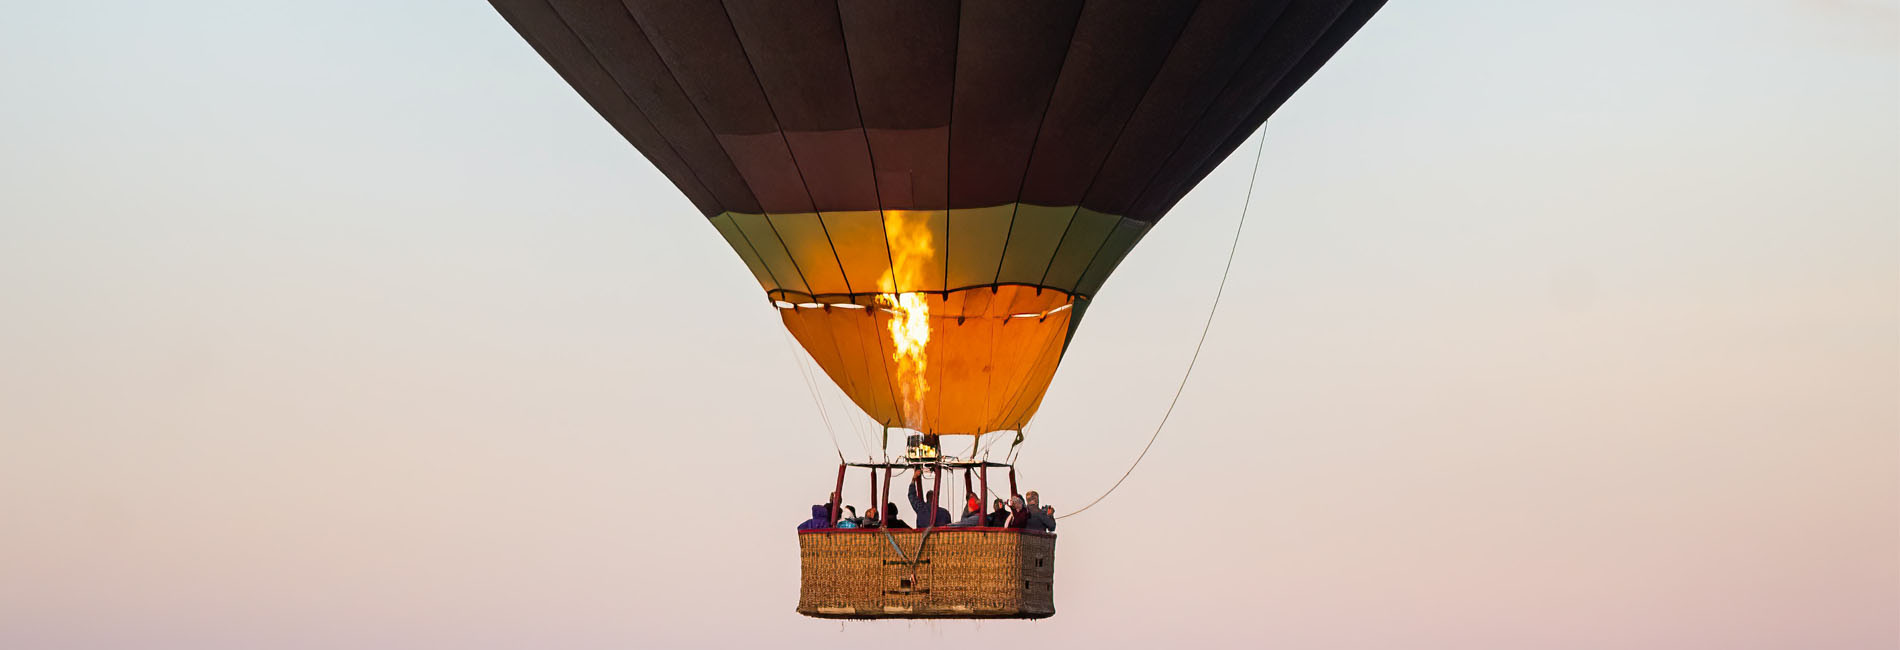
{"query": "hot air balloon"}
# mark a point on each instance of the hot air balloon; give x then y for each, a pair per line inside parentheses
(930, 193)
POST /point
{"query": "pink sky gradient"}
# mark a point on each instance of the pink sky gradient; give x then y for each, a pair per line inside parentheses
(1556, 325)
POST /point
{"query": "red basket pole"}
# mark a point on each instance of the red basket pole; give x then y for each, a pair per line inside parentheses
(837, 495)
(983, 479)
(936, 492)
(883, 514)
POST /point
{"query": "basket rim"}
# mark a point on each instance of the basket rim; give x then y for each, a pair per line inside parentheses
(919, 531)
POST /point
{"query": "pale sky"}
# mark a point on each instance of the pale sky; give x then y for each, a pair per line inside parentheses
(1555, 325)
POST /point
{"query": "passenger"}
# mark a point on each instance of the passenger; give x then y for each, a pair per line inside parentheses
(1039, 519)
(920, 501)
(869, 520)
(972, 513)
(890, 517)
(820, 518)
(1018, 515)
(850, 518)
(998, 517)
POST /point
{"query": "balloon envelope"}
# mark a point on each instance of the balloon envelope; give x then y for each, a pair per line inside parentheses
(932, 192)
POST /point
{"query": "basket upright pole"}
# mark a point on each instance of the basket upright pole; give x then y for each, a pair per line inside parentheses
(968, 492)
(883, 513)
(837, 497)
(983, 480)
(875, 506)
(936, 492)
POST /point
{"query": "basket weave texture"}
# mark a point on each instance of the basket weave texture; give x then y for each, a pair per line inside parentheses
(954, 573)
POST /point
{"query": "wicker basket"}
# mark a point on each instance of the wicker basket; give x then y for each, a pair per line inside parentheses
(957, 573)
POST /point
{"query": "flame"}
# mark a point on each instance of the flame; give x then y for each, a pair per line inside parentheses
(910, 338)
(909, 236)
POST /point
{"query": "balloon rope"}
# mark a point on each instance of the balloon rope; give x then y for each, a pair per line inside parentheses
(812, 389)
(1259, 149)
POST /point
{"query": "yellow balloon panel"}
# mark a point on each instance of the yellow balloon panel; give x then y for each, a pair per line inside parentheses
(988, 358)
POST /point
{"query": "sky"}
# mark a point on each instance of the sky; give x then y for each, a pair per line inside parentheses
(1553, 325)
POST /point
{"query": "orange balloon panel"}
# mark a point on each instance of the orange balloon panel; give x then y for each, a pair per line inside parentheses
(988, 360)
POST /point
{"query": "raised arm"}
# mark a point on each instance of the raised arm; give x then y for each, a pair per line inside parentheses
(916, 494)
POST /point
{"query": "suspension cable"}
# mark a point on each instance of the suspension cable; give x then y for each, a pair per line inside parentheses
(812, 389)
(1259, 149)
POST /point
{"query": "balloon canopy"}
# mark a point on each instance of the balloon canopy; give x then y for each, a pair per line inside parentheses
(931, 191)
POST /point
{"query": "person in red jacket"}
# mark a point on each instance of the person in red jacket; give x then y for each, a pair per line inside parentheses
(1018, 513)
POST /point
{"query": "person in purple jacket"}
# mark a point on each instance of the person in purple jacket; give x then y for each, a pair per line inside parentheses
(820, 518)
